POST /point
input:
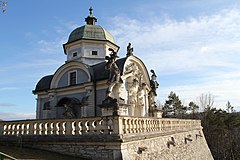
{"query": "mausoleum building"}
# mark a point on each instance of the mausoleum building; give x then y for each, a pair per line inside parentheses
(94, 81)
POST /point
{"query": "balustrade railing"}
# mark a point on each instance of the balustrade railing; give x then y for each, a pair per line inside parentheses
(96, 125)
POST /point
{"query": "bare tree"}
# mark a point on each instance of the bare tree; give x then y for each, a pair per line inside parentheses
(3, 5)
(229, 107)
(205, 101)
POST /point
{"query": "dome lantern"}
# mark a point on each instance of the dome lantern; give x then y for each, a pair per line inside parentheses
(90, 20)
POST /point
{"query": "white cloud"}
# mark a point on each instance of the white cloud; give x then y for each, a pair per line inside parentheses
(7, 88)
(53, 46)
(7, 104)
(16, 116)
(207, 46)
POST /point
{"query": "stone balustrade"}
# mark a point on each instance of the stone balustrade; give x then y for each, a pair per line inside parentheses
(119, 125)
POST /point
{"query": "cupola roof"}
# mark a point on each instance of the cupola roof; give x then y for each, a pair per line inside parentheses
(90, 31)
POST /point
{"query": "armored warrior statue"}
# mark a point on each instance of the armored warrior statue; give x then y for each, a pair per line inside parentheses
(114, 72)
(153, 93)
(153, 83)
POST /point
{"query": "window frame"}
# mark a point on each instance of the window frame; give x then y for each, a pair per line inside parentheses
(94, 53)
(74, 54)
(70, 78)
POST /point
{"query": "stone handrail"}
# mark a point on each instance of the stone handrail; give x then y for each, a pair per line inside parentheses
(98, 125)
(160, 125)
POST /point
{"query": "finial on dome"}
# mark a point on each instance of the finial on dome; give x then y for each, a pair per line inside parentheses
(90, 10)
(91, 19)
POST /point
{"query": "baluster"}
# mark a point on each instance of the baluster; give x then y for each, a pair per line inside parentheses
(80, 127)
(48, 128)
(84, 128)
(40, 128)
(45, 128)
(158, 125)
(104, 126)
(87, 124)
(61, 128)
(73, 127)
(68, 127)
(25, 129)
(4, 129)
(130, 126)
(35, 128)
(12, 129)
(51, 127)
(127, 125)
(146, 125)
(136, 127)
(31, 128)
(100, 127)
(91, 127)
(54, 128)
(138, 124)
(142, 125)
(9, 129)
(152, 125)
(21, 129)
(16, 129)
(96, 126)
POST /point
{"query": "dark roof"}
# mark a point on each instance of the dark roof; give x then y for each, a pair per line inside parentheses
(97, 71)
(43, 84)
(100, 73)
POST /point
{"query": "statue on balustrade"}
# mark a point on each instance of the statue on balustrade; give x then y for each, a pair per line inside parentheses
(114, 72)
(153, 83)
(129, 50)
(153, 92)
(112, 99)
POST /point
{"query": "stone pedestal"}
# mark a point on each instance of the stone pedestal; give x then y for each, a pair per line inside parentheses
(157, 113)
(112, 106)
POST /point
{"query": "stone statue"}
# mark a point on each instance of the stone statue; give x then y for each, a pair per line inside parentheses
(153, 83)
(114, 72)
(129, 50)
(153, 92)
(68, 112)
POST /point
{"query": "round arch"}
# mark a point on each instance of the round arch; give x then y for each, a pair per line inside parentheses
(66, 67)
(141, 66)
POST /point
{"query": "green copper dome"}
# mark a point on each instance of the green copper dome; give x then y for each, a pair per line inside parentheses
(92, 32)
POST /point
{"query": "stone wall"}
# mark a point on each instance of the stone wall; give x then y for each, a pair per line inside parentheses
(189, 145)
(111, 137)
(100, 151)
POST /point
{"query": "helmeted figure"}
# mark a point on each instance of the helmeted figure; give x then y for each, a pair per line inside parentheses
(114, 72)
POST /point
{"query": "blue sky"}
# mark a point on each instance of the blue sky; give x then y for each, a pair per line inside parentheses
(194, 46)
